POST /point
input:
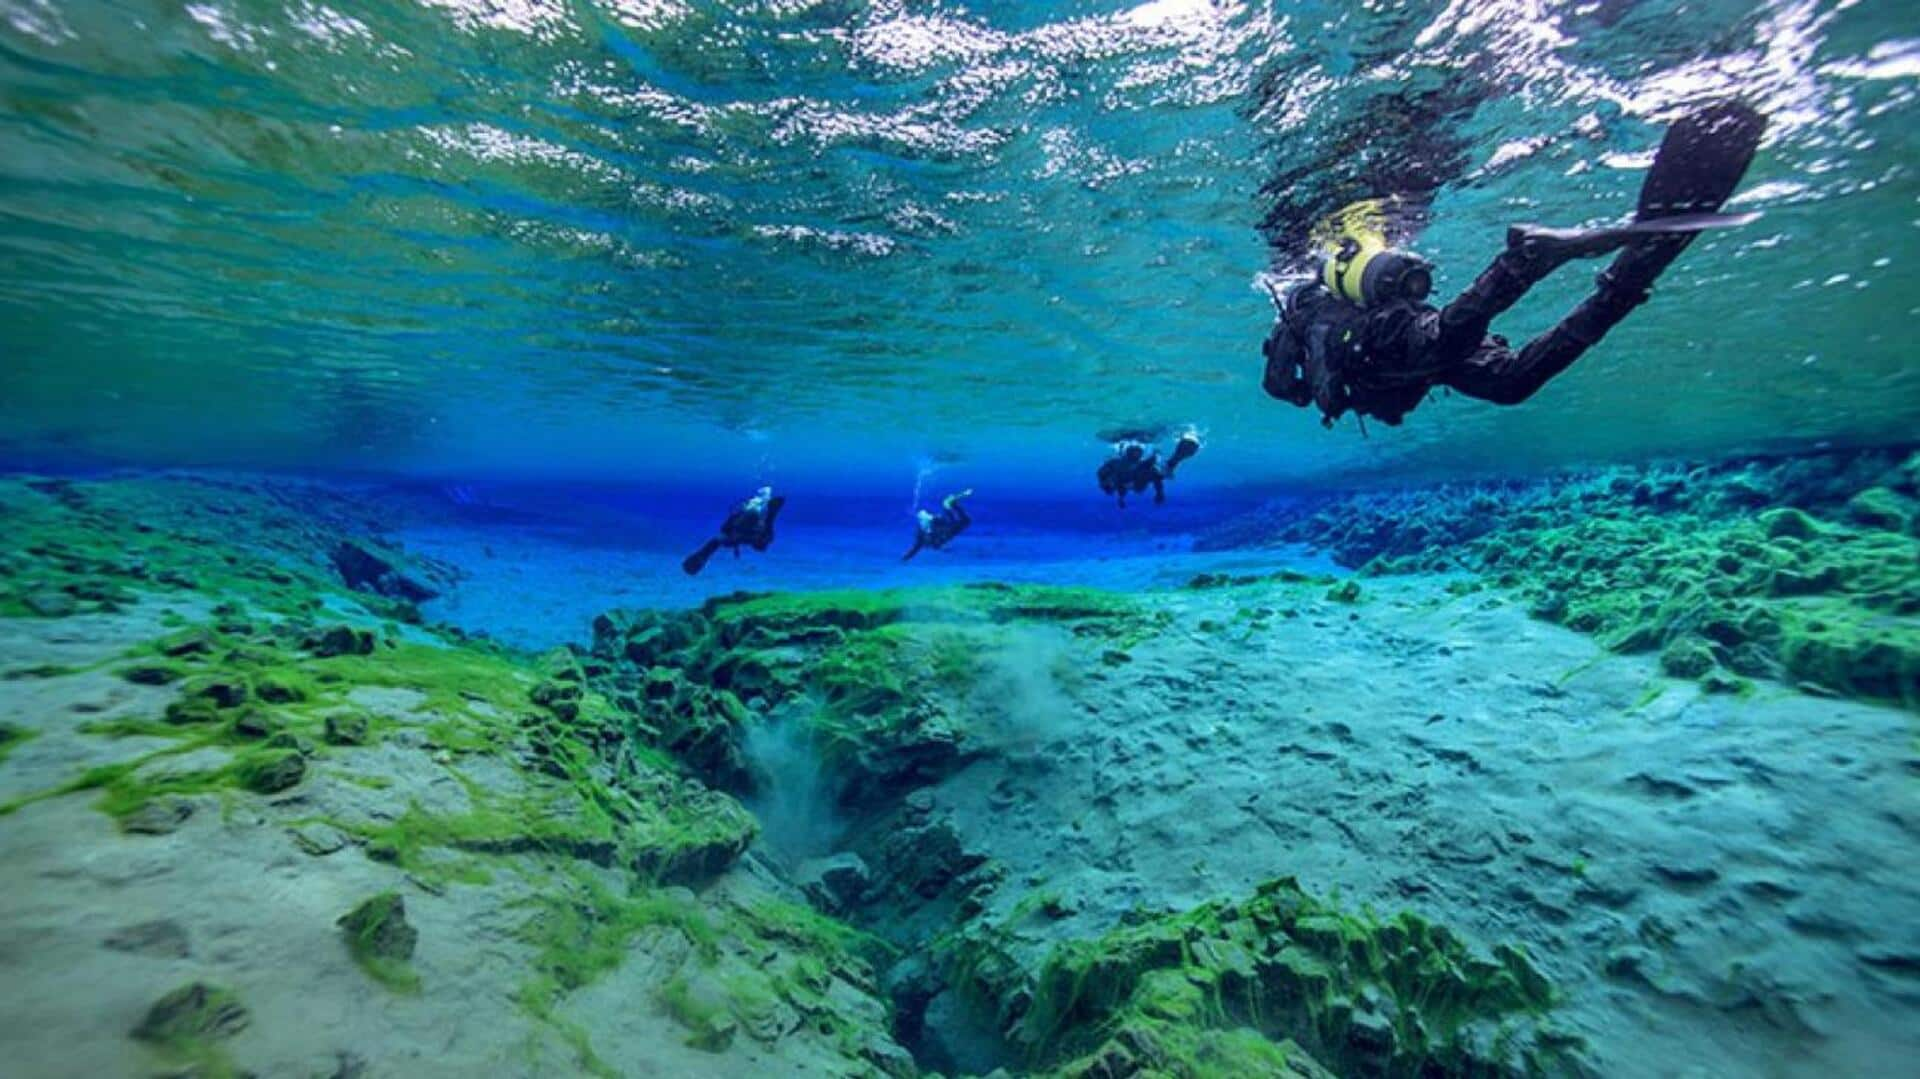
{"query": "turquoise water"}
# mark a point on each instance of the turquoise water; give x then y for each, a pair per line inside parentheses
(795, 240)
(367, 371)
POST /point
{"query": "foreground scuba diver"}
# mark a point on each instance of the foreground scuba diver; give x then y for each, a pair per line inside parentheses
(1136, 466)
(1361, 340)
(936, 531)
(749, 524)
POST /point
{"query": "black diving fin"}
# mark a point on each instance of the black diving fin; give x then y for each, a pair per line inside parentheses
(1699, 163)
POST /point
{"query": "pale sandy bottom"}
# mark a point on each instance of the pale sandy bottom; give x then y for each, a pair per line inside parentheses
(1719, 885)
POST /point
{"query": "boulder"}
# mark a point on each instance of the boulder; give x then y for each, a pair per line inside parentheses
(378, 929)
(49, 603)
(273, 771)
(158, 817)
(366, 566)
(834, 883)
(348, 729)
(192, 1012)
(340, 640)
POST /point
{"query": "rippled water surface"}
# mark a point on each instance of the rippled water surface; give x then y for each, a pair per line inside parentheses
(649, 237)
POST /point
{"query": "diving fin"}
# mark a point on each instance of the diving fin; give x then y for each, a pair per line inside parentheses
(697, 561)
(1586, 243)
(1700, 161)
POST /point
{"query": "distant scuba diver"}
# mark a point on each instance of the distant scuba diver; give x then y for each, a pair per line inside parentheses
(938, 530)
(749, 524)
(1136, 466)
(1362, 340)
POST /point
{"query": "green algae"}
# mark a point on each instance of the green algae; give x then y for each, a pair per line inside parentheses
(1739, 571)
(1396, 996)
(12, 737)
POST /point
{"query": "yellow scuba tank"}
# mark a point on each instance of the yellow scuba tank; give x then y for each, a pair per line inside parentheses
(1359, 265)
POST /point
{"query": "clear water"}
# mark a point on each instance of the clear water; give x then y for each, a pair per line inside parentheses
(828, 242)
(532, 290)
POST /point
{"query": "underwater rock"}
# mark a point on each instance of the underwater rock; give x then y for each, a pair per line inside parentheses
(348, 729)
(255, 723)
(160, 816)
(1879, 508)
(835, 883)
(1686, 657)
(272, 771)
(702, 1005)
(219, 691)
(378, 928)
(340, 640)
(279, 687)
(193, 1012)
(318, 839)
(50, 603)
(1402, 996)
(151, 674)
(366, 566)
(162, 938)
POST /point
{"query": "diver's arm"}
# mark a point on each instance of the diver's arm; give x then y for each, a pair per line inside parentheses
(919, 541)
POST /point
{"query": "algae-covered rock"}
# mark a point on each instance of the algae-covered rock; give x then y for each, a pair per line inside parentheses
(340, 640)
(194, 1012)
(160, 816)
(1183, 994)
(272, 770)
(219, 691)
(1878, 507)
(50, 603)
(1686, 657)
(348, 728)
(1788, 523)
(1347, 591)
(699, 1003)
(378, 928)
(280, 687)
(367, 566)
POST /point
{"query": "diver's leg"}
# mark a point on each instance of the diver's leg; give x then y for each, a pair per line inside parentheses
(1159, 490)
(1499, 374)
(959, 515)
(1463, 323)
(697, 561)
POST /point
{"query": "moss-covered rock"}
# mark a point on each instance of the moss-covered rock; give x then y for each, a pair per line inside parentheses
(271, 771)
(1822, 585)
(348, 728)
(1401, 996)
(381, 940)
(1686, 657)
(194, 1012)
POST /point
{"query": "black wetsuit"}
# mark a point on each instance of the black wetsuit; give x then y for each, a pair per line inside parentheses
(936, 530)
(749, 524)
(1135, 466)
(1382, 361)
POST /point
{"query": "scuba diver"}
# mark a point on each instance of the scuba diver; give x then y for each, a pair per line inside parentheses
(1136, 466)
(1361, 339)
(749, 524)
(938, 531)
